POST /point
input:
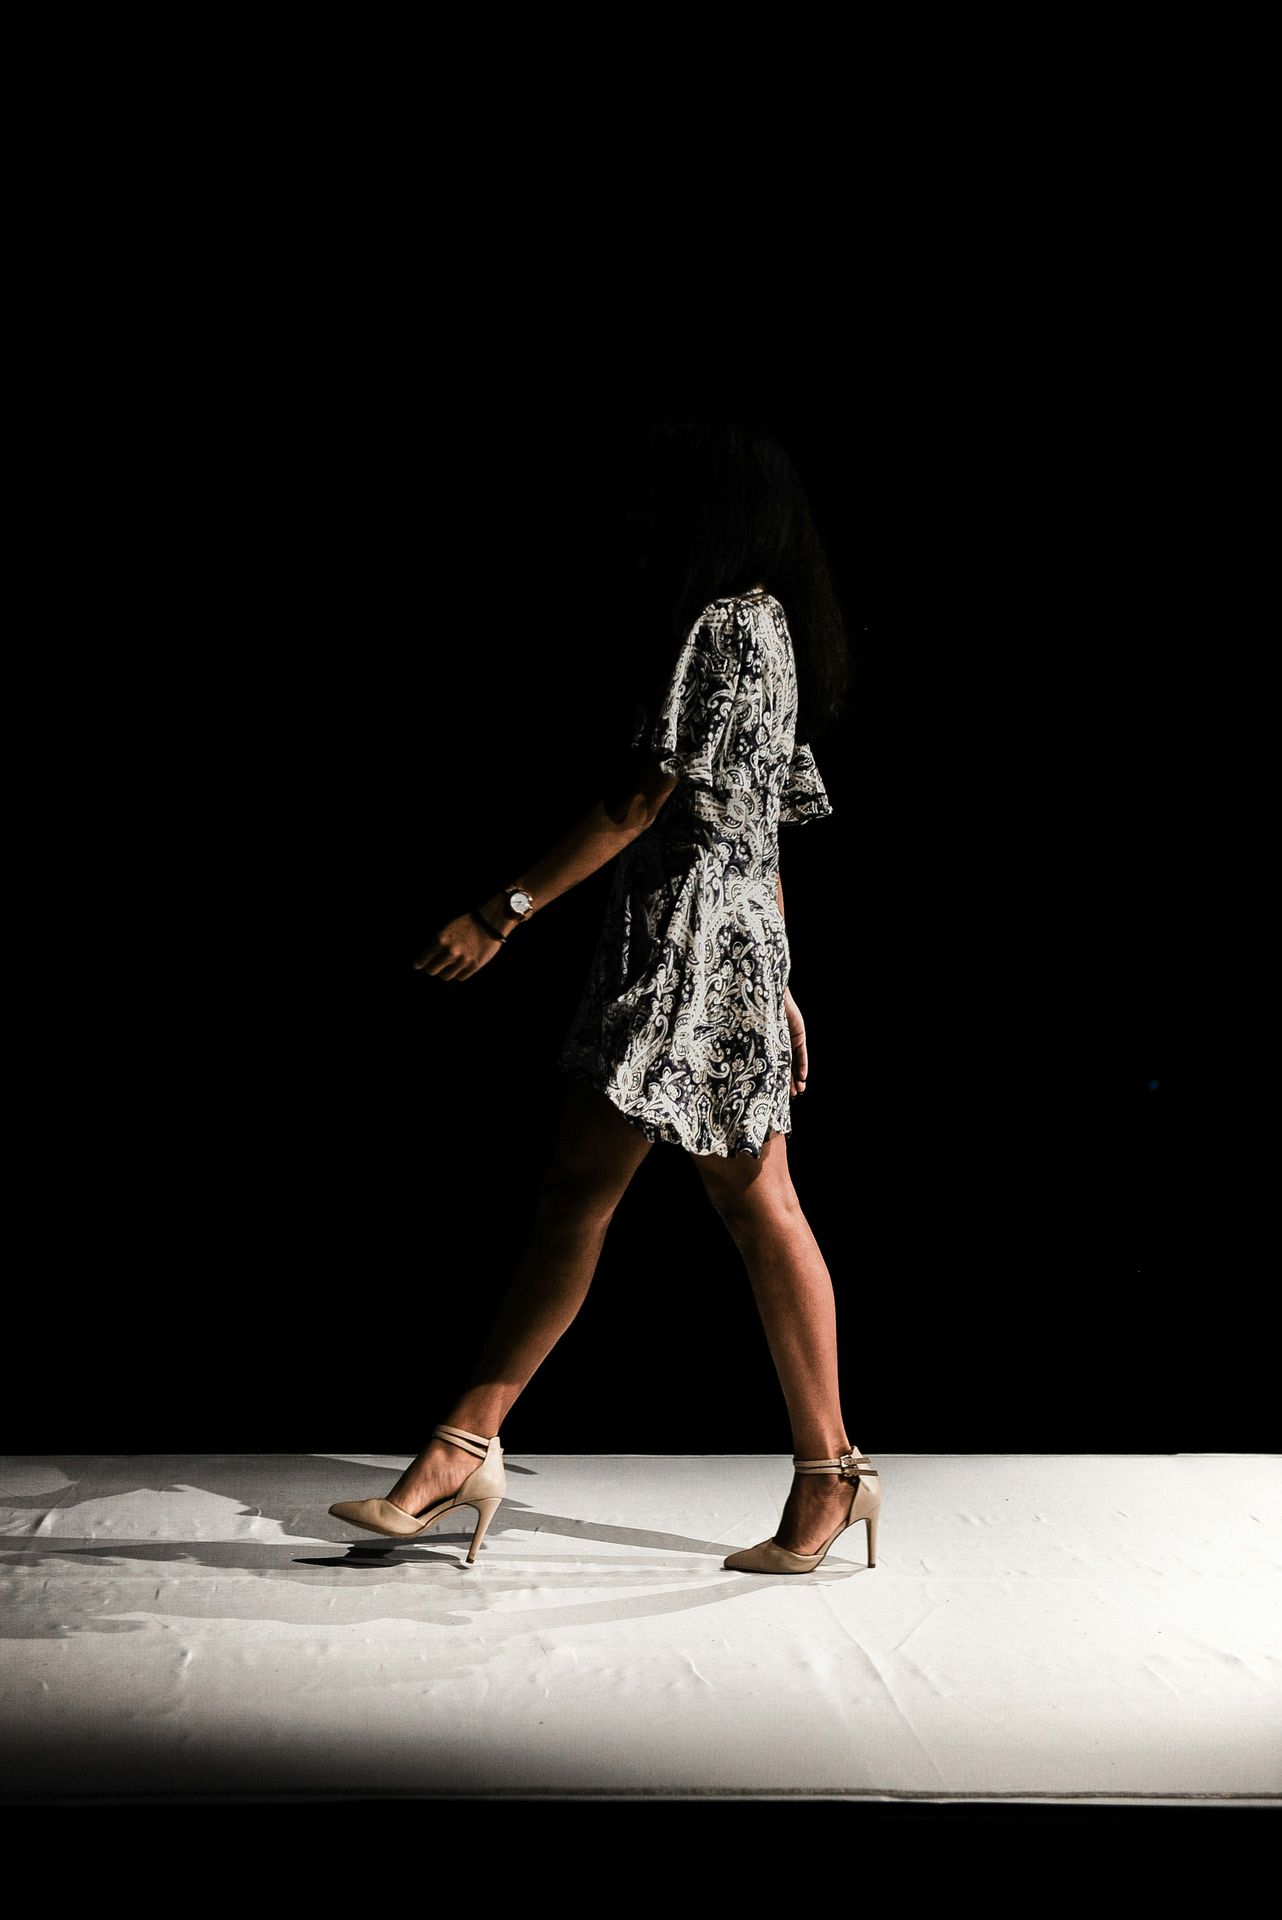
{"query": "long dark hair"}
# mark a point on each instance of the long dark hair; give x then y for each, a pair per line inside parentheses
(718, 506)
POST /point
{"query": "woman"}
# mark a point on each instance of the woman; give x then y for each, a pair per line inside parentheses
(686, 1031)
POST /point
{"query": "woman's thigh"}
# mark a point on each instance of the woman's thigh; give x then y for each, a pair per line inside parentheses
(595, 1149)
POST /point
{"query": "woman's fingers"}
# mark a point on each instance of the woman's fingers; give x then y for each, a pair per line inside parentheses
(449, 963)
(465, 965)
(440, 954)
(458, 951)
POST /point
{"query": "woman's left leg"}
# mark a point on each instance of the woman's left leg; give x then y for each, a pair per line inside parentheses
(793, 1290)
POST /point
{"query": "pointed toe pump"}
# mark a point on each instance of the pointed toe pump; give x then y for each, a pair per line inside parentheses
(769, 1557)
(483, 1489)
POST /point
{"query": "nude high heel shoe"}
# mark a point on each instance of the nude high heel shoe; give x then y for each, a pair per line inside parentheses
(483, 1489)
(769, 1557)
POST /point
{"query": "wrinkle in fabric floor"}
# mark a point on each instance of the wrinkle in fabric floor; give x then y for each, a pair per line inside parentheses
(1056, 1628)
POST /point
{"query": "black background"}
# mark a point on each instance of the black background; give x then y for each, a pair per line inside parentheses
(389, 408)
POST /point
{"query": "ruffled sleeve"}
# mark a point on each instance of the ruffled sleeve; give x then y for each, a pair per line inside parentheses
(689, 723)
(803, 796)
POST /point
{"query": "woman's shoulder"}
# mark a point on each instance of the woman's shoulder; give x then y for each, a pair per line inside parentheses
(734, 608)
(713, 623)
(716, 610)
(731, 619)
(745, 603)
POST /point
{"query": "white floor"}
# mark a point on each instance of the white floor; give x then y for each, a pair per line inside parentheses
(1100, 1627)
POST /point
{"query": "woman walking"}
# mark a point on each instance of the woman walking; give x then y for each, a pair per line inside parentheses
(686, 1031)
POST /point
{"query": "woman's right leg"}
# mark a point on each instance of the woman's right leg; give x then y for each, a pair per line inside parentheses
(594, 1156)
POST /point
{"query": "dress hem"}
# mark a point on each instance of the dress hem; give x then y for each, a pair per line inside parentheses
(662, 1132)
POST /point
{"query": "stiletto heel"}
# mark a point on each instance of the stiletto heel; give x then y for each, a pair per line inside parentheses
(484, 1489)
(769, 1557)
(485, 1511)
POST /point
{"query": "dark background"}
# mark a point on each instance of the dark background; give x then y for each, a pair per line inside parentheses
(397, 412)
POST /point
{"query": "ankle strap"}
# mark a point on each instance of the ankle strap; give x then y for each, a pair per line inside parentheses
(460, 1437)
(846, 1464)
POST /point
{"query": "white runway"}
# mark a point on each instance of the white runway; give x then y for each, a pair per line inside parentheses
(1063, 1628)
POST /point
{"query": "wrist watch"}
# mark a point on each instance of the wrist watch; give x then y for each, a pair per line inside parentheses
(520, 901)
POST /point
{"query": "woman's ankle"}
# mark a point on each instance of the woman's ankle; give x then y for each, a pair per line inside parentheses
(828, 1450)
(485, 1427)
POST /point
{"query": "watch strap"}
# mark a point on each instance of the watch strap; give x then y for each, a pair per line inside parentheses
(492, 931)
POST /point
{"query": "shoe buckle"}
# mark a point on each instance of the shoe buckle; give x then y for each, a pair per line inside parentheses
(846, 1464)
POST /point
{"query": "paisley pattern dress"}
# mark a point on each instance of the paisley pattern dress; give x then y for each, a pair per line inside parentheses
(681, 1021)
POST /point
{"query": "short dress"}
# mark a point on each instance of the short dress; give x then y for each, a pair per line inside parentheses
(681, 1021)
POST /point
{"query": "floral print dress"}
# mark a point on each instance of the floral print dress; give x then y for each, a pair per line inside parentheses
(681, 1020)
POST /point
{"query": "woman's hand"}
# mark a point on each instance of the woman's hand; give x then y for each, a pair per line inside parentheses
(460, 949)
(797, 1034)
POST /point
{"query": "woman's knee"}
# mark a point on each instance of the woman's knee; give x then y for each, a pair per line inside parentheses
(749, 1194)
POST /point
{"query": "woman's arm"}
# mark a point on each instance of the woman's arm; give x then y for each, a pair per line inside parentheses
(609, 825)
(796, 1025)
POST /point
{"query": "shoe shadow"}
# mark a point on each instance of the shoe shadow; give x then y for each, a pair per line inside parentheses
(662, 1563)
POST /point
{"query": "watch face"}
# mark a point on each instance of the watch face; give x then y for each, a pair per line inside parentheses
(520, 902)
